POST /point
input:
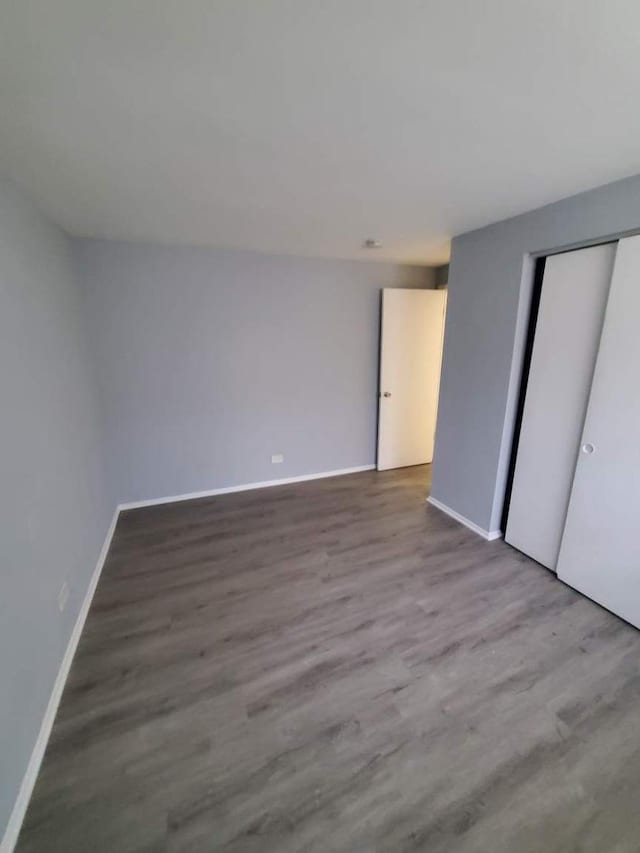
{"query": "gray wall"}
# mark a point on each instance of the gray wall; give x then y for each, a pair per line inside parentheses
(213, 360)
(54, 510)
(489, 286)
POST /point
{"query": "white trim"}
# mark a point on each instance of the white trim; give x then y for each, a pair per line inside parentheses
(24, 794)
(18, 812)
(489, 535)
(26, 788)
(244, 487)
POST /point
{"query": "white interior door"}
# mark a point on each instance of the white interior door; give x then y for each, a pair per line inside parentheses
(410, 362)
(600, 550)
(567, 334)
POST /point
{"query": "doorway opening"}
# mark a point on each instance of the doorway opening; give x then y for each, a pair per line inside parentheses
(534, 307)
(568, 306)
(411, 343)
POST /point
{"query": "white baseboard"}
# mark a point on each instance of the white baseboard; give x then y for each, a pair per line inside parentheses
(26, 788)
(489, 535)
(24, 794)
(245, 487)
(22, 800)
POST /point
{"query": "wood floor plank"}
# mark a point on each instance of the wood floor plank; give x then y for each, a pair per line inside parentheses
(337, 666)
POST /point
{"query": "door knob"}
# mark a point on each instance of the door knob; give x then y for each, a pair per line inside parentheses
(588, 448)
(387, 394)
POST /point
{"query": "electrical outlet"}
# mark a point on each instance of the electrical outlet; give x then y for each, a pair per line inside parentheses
(63, 596)
(277, 458)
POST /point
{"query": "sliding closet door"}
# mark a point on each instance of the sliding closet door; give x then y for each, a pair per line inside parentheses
(572, 304)
(600, 552)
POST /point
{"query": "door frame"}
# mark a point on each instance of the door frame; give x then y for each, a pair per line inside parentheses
(444, 291)
(529, 302)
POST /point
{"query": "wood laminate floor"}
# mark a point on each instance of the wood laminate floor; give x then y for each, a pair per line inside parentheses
(337, 666)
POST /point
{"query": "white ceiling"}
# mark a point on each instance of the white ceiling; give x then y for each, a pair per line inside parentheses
(305, 126)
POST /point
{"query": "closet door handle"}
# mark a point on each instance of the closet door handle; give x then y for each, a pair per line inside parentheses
(588, 448)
